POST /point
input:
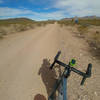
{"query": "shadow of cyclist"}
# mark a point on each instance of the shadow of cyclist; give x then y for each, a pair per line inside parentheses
(48, 76)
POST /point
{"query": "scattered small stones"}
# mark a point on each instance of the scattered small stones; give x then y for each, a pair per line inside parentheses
(93, 58)
(85, 97)
(95, 93)
(97, 32)
(81, 54)
(95, 48)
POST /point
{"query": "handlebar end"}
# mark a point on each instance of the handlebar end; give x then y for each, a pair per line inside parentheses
(55, 59)
(88, 73)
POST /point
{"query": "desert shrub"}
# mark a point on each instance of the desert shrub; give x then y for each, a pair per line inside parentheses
(95, 22)
(66, 22)
(82, 29)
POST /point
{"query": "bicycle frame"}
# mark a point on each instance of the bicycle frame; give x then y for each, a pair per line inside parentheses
(62, 81)
(62, 93)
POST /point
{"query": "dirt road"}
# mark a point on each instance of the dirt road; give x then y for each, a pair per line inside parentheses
(24, 55)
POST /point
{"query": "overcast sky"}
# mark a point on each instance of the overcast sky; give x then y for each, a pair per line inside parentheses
(48, 9)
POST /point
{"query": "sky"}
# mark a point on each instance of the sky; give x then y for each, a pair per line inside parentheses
(48, 9)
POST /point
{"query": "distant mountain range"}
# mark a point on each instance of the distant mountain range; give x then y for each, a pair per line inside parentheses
(17, 20)
(90, 17)
(85, 17)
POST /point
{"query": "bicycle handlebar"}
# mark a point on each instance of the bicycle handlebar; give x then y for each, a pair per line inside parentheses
(88, 73)
(56, 57)
(85, 75)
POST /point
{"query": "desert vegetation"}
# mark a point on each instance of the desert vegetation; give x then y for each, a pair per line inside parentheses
(92, 36)
(15, 25)
(84, 22)
(66, 22)
(19, 24)
(89, 29)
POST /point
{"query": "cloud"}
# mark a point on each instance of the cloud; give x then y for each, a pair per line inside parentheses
(6, 12)
(59, 9)
(47, 8)
(79, 7)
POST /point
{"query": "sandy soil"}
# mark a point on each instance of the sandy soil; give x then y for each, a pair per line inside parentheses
(24, 64)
